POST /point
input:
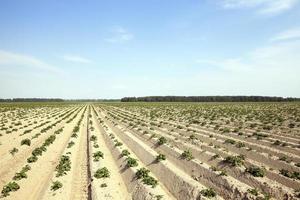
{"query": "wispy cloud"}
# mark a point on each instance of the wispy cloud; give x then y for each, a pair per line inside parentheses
(119, 35)
(10, 59)
(287, 35)
(263, 6)
(281, 56)
(76, 58)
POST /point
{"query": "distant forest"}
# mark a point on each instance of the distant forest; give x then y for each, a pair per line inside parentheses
(208, 99)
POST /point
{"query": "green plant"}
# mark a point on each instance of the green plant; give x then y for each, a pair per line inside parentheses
(20, 175)
(208, 193)
(240, 145)
(159, 197)
(10, 187)
(97, 155)
(56, 185)
(235, 160)
(103, 185)
(70, 144)
(63, 166)
(102, 173)
(131, 162)
(37, 152)
(142, 173)
(32, 159)
(160, 157)
(162, 140)
(118, 144)
(187, 154)
(125, 152)
(255, 171)
(149, 180)
(13, 151)
(229, 141)
(93, 138)
(253, 191)
(26, 142)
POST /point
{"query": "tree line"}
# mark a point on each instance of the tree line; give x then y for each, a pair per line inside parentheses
(208, 99)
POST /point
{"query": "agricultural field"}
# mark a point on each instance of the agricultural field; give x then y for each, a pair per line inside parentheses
(150, 151)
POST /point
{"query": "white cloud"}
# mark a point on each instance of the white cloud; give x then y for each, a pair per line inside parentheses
(287, 35)
(120, 35)
(74, 58)
(282, 57)
(263, 6)
(9, 59)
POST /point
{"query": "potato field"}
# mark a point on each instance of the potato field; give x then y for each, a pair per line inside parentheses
(149, 151)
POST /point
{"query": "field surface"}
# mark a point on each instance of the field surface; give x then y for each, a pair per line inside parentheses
(150, 151)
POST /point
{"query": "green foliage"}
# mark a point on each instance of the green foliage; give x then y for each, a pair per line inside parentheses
(131, 162)
(102, 173)
(20, 175)
(32, 159)
(117, 144)
(97, 155)
(26, 142)
(187, 154)
(229, 141)
(292, 175)
(63, 166)
(125, 152)
(13, 151)
(37, 152)
(10, 187)
(209, 193)
(70, 144)
(160, 157)
(235, 160)
(253, 191)
(162, 140)
(255, 171)
(93, 138)
(240, 145)
(149, 180)
(142, 173)
(56, 185)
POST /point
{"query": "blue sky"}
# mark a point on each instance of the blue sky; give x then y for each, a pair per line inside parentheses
(116, 48)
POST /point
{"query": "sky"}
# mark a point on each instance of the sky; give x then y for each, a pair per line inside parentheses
(117, 48)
